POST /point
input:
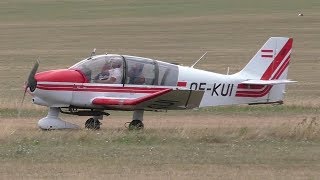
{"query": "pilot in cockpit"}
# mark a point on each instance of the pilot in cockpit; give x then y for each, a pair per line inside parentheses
(104, 74)
(111, 73)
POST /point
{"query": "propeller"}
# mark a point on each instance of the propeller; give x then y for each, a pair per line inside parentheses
(31, 81)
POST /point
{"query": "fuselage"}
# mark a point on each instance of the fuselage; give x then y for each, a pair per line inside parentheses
(76, 86)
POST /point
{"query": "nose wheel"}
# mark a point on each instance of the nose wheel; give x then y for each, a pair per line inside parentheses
(52, 121)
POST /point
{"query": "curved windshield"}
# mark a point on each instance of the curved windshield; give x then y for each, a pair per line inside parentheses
(102, 69)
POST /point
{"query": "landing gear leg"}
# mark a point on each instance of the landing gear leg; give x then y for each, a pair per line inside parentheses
(52, 121)
(137, 119)
(93, 123)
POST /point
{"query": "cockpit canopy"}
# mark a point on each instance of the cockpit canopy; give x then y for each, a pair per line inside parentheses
(127, 70)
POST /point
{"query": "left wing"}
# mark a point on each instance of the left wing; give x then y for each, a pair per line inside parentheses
(169, 98)
(109, 101)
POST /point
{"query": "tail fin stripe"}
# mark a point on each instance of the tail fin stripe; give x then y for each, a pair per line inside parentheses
(266, 89)
(246, 86)
(282, 68)
(267, 50)
(277, 70)
(254, 94)
(267, 56)
(268, 68)
(277, 60)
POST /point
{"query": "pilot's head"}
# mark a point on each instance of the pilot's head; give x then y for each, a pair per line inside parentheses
(106, 67)
(116, 63)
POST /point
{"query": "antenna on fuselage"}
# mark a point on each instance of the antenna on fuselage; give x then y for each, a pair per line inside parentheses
(92, 53)
(199, 59)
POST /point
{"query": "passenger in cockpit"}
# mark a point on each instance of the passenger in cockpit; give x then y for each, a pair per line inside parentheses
(114, 73)
(135, 74)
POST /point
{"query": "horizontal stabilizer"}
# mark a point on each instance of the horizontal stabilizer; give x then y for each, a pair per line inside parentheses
(267, 82)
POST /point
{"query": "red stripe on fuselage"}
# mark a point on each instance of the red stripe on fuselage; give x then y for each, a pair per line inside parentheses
(182, 84)
(54, 87)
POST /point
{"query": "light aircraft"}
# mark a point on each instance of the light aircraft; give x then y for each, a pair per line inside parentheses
(129, 83)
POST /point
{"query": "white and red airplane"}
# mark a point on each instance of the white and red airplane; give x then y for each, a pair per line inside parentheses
(130, 83)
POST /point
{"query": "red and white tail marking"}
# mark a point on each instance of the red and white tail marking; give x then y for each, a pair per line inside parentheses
(282, 56)
(273, 72)
(267, 53)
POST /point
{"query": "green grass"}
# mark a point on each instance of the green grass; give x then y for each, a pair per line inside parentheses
(37, 10)
(24, 145)
(245, 110)
(259, 110)
(155, 151)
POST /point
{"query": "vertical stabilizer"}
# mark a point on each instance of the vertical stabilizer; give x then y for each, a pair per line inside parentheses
(271, 61)
(266, 73)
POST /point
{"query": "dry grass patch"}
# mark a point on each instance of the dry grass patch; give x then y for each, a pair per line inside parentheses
(289, 149)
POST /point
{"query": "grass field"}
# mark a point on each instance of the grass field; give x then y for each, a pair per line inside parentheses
(246, 142)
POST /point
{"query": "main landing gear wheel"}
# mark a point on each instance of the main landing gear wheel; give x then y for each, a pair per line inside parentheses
(136, 125)
(93, 124)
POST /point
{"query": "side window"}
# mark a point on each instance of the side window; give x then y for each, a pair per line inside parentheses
(149, 73)
(140, 71)
(134, 72)
(102, 69)
(168, 74)
(109, 71)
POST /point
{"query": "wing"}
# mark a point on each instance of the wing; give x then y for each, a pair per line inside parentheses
(167, 98)
(109, 101)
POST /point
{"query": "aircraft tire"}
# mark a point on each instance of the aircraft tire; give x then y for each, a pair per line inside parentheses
(92, 124)
(136, 125)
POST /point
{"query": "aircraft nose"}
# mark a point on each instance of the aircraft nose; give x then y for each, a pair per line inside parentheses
(61, 75)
